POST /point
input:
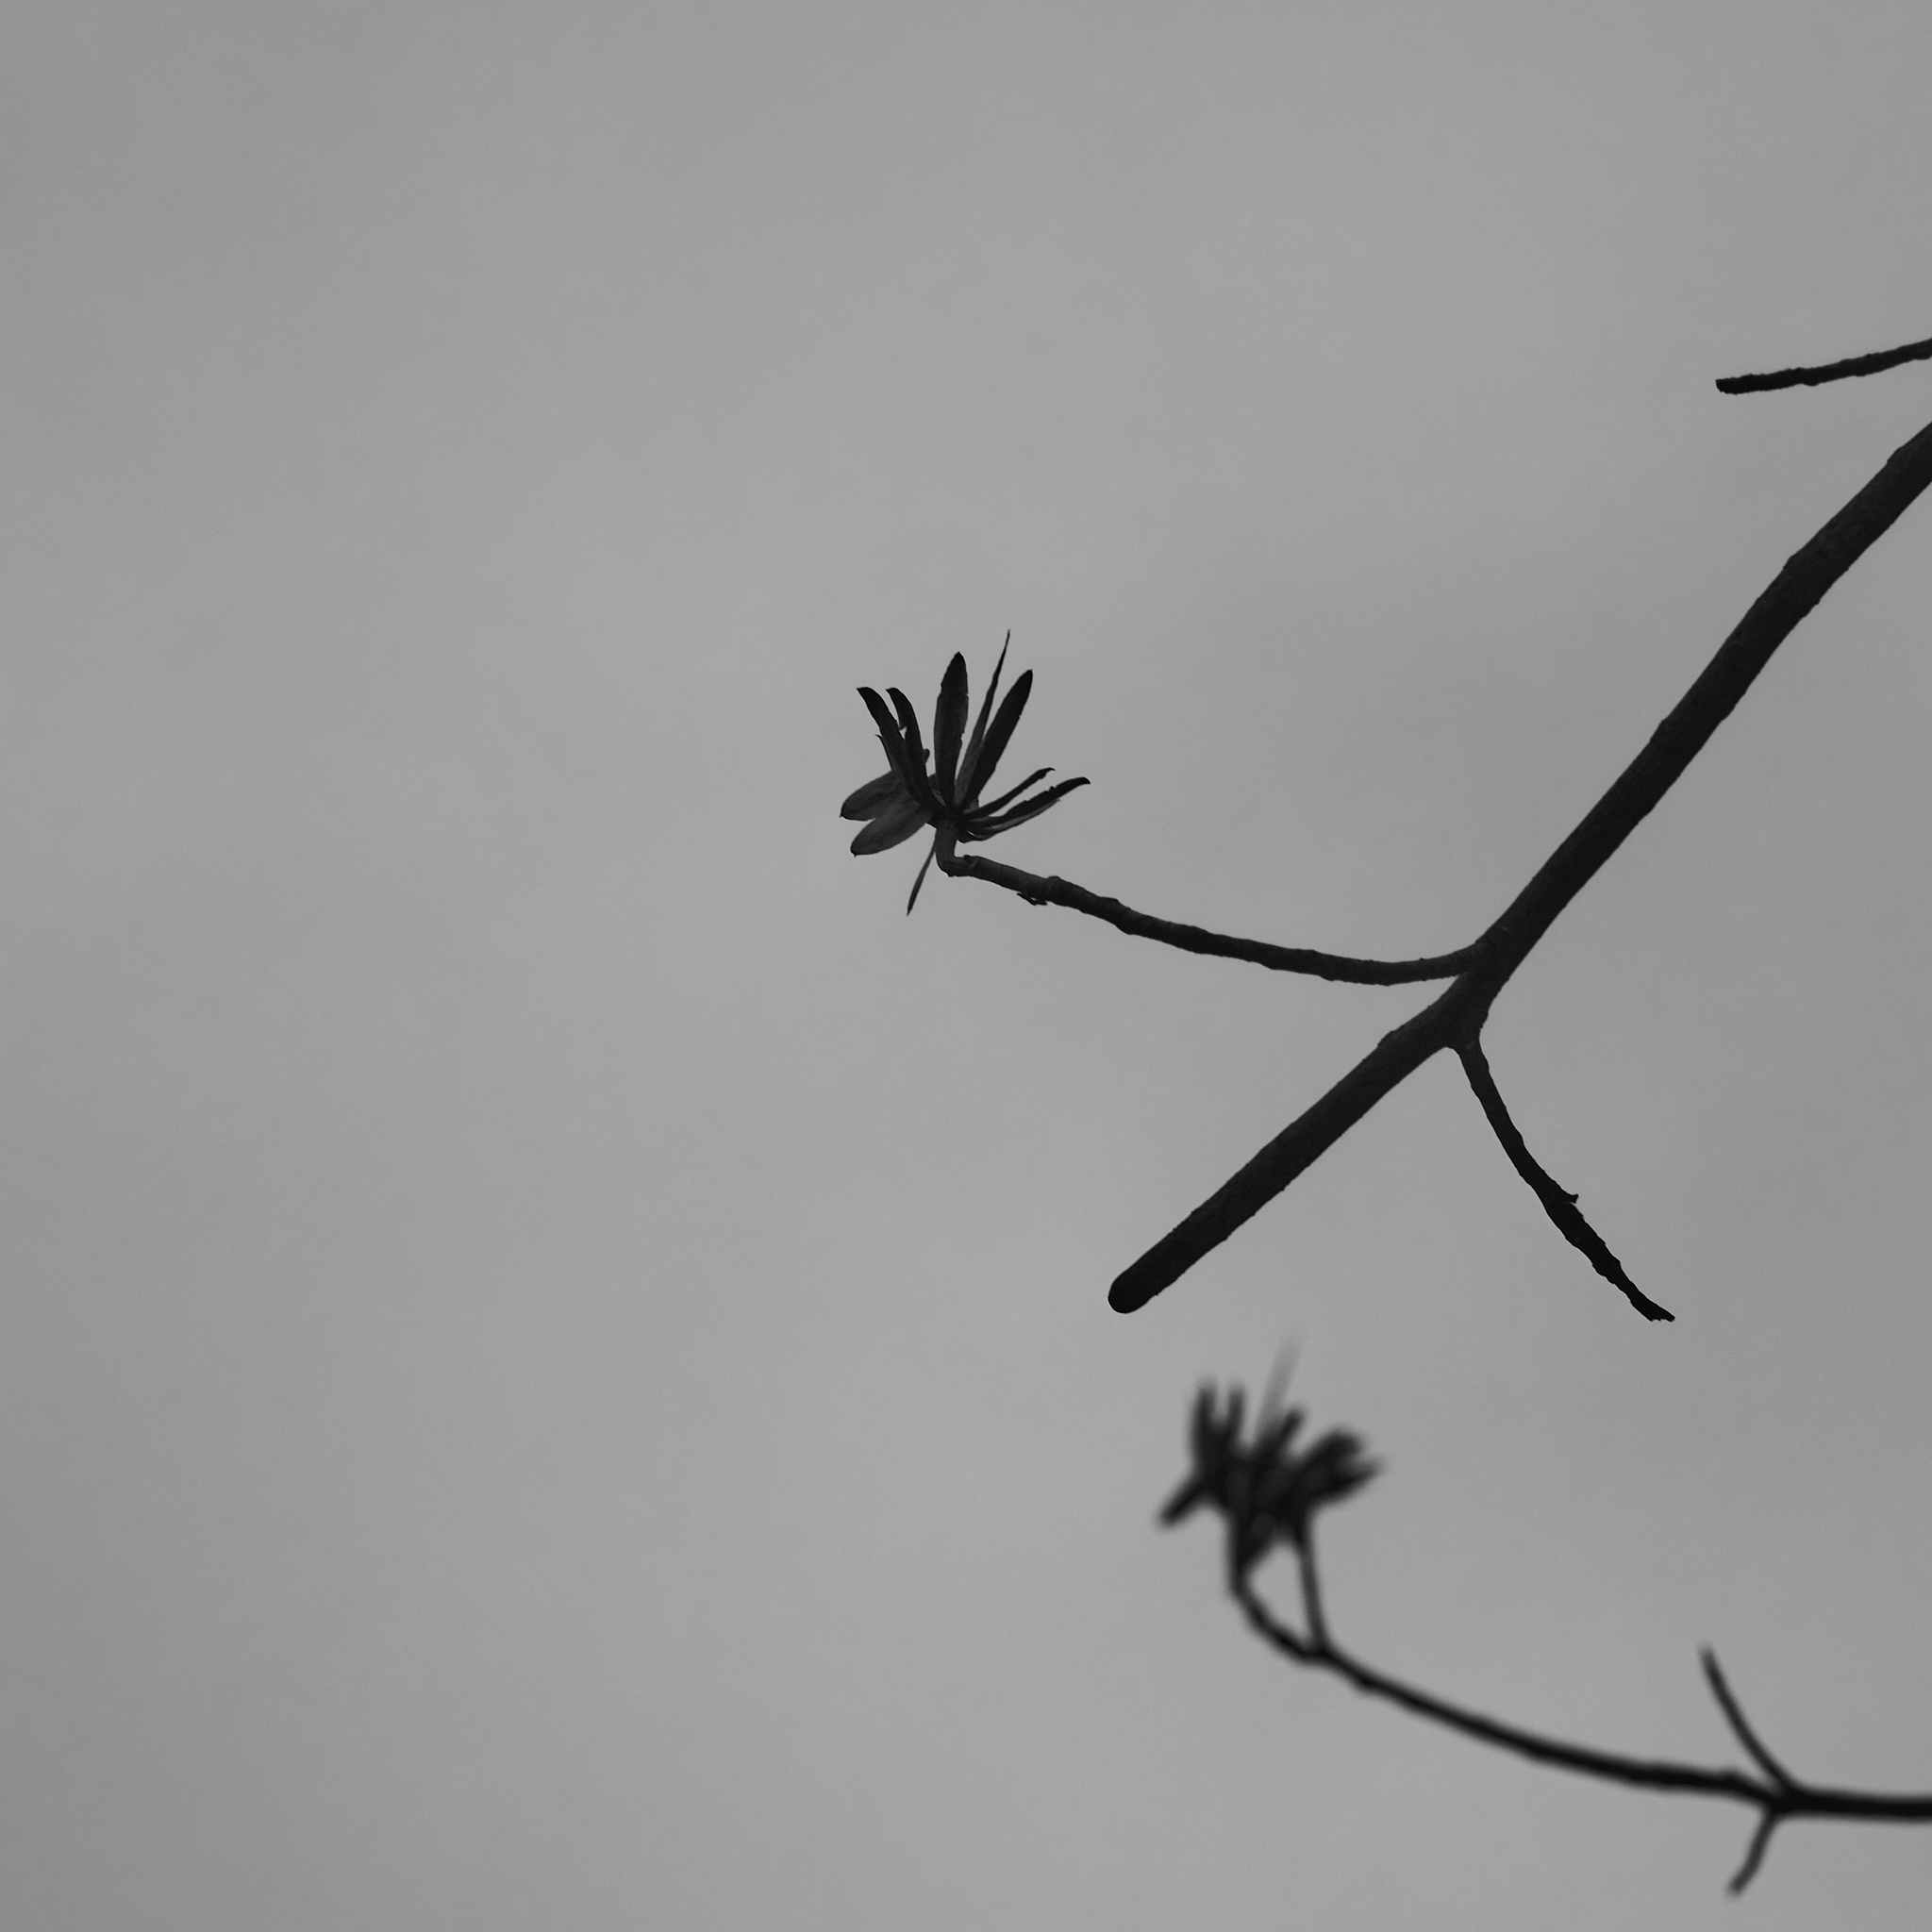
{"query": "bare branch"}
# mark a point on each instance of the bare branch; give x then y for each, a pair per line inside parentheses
(1734, 1715)
(1268, 1493)
(1458, 1012)
(1559, 1203)
(1615, 1767)
(1299, 1145)
(1036, 891)
(1827, 372)
(1777, 1797)
(1754, 1851)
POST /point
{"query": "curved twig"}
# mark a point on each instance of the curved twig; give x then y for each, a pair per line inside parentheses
(1754, 1852)
(1559, 1203)
(1827, 372)
(1734, 1716)
(1036, 891)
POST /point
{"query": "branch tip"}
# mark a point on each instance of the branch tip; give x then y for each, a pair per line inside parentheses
(1825, 372)
(1559, 1203)
(1753, 1854)
(1754, 1746)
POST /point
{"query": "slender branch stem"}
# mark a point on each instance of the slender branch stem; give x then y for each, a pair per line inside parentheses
(1298, 1146)
(1558, 1204)
(1827, 372)
(1777, 1795)
(1616, 1767)
(1458, 1013)
(1036, 891)
(1734, 1716)
(1311, 1592)
(1754, 1852)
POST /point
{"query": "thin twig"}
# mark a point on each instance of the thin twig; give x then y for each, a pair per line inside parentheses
(1652, 1774)
(1734, 1716)
(1754, 1851)
(1037, 890)
(1827, 372)
(1312, 1592)
(1559, 1203)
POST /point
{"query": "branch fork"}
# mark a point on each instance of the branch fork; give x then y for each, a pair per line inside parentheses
(1269, 1494)
(1478, 972)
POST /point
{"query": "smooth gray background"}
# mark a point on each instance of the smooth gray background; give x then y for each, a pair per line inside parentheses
(554, 1366)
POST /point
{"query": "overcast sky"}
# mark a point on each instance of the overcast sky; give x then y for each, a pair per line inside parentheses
(554, 1360)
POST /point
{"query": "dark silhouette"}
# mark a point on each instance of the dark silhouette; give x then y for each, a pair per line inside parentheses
(1266, 1490)
(905, 800)
(1267, 1495)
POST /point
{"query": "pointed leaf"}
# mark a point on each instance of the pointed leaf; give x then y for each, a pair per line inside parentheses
(872, 799)
(1004, 719)
(890, 735)
(1031, 809)
(893, 827)
(1183, 1503)
(969, 766)
(1276, 1395)
(1005, 798)
(1201, 1423)
(912, 898)
(916, 779)
(1273, 1434)
(948, 727)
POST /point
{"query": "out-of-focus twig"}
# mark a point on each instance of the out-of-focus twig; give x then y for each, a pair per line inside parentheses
(1245, 1479)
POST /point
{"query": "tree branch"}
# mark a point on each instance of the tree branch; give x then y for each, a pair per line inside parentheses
(1734, 1716)
(1298, 1146)
(1777, 1795)
(1458, 1015)
(1036, 891)
(1559, 1203)
(1827, 372)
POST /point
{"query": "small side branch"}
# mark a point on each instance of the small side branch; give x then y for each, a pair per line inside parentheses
(1827, 372)
(1754, 1852)
(1037, 890)
(1734, 1716)
(1557, 1203)
(1652, 1773)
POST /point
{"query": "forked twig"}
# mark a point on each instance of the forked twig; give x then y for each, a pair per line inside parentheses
(1269, 1490)
(1776, 1795)
(1734, 1716)
(1478, 972)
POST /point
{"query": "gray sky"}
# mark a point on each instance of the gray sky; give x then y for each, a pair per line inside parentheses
(554, 1366)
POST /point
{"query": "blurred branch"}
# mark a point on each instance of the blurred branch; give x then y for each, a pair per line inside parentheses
(1245, 1479)
(1827, 372)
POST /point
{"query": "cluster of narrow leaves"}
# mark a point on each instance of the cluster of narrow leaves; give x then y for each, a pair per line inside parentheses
(1266, 1489)
(906, 797)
